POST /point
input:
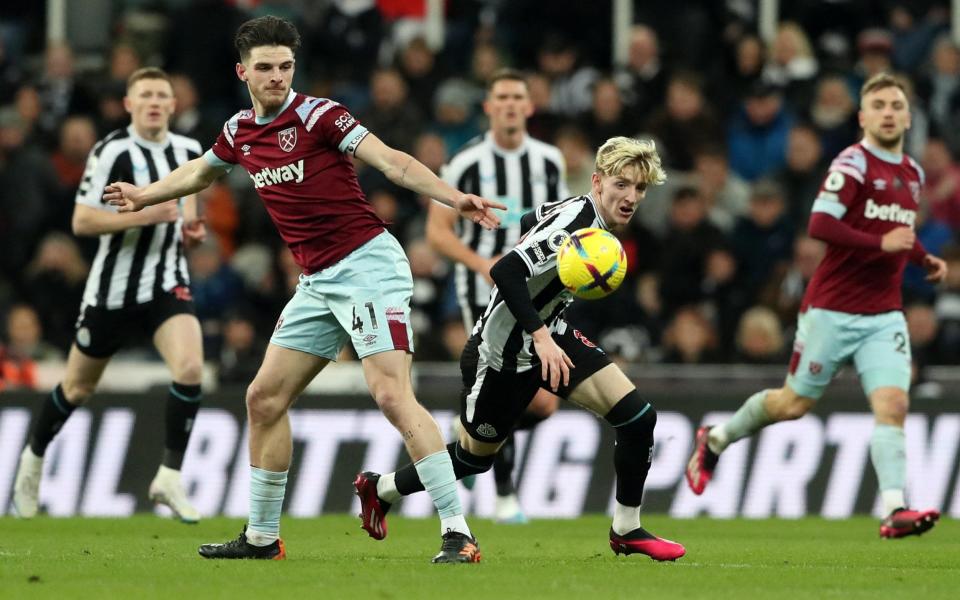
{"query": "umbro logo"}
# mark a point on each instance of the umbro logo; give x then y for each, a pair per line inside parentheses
(246, 149)
(487, 430)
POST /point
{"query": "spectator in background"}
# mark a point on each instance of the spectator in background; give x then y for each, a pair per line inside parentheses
(418, 67)
(760, 338)
(727, 195)
(61, 92)
(791, 65)
(578, 156)
(570, 82)
(690, 239)
(395, 118)
(426, 305)
(922, 329)
(57, 266)
(27, 104)
(757, 133)
(242, 350)
(762, 240)
(216, 289)
(29, 187)
(686, 122)
(690, 338)
(453, 110)
(935, 236)
(941, 189)
(875, 47)
(544, 122)
(801, 175)
(784, 292)
(913, 33)
(24, 336)
(833, 114)
(749, 58)
(606, 117)
(643, 80)
(188, 116)
(947, 308)
(941, 91)
(77, 137)
(124, 60)
(264, 290)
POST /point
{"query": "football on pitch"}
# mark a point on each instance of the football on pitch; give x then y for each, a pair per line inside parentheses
(591, 263)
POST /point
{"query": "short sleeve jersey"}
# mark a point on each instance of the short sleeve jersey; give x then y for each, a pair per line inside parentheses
(299, 166)
(875, 191)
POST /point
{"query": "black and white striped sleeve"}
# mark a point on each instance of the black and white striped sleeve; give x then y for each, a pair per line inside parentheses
(108, 161)
(539, 247)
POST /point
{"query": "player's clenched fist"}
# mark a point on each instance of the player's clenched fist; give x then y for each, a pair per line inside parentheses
(900, 239)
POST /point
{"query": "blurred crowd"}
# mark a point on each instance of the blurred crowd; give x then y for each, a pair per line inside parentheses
(718, 256)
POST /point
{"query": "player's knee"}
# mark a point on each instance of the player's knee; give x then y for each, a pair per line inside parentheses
(633, 417)
(392, 400)
(892, 410)
(467, 463)
(77, 392)
(188, 371)
(262, 406)
(785, 405)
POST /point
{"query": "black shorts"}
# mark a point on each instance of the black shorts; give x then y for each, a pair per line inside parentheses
(491, 401)
(101, 331)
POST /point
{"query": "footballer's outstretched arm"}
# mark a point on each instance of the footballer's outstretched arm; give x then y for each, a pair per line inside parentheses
(406, 171)
(188, 178)
(89, 221)
(510, 275)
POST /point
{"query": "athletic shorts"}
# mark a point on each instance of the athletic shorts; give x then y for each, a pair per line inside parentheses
(491, 401)
(878, 345)
(364, 298)
(102, 331)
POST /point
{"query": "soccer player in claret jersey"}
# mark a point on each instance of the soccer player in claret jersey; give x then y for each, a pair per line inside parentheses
(852, 309)
(522, 344)
(356, 283)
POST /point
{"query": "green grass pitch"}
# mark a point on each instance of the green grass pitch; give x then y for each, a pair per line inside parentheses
(331, 557)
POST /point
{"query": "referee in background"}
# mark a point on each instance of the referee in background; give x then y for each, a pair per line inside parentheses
(504, 164)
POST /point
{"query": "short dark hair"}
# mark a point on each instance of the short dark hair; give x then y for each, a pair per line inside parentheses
(506, 74)
(147, 73)
(265, 31)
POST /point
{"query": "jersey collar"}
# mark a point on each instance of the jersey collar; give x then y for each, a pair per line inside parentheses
(286, 104)
(519, 150)
(142, 141)
(597, 211)
(884, 155)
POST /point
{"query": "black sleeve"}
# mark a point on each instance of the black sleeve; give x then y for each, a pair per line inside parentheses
(510, 274)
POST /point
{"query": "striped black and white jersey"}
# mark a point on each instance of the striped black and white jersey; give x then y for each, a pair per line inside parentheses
(522, 179)
(135, 265)
(504, 345)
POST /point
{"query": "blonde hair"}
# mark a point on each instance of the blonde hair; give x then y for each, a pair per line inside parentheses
(761, 319)
(618, 153)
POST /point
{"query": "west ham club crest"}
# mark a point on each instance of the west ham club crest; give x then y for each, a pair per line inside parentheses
(287, 139)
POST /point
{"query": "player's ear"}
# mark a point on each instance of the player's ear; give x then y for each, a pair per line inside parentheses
(126, 103)
(241, 72)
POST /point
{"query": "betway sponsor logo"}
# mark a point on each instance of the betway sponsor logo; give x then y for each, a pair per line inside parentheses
(268, 176)
(889, 212)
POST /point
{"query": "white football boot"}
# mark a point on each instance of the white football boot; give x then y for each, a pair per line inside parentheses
(507, 510)
(26, 488)
(167, 489)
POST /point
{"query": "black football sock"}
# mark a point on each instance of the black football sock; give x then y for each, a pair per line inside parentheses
(53, 413)
(634, 421)
(503, 464)
(408, 482)
(183, 402)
